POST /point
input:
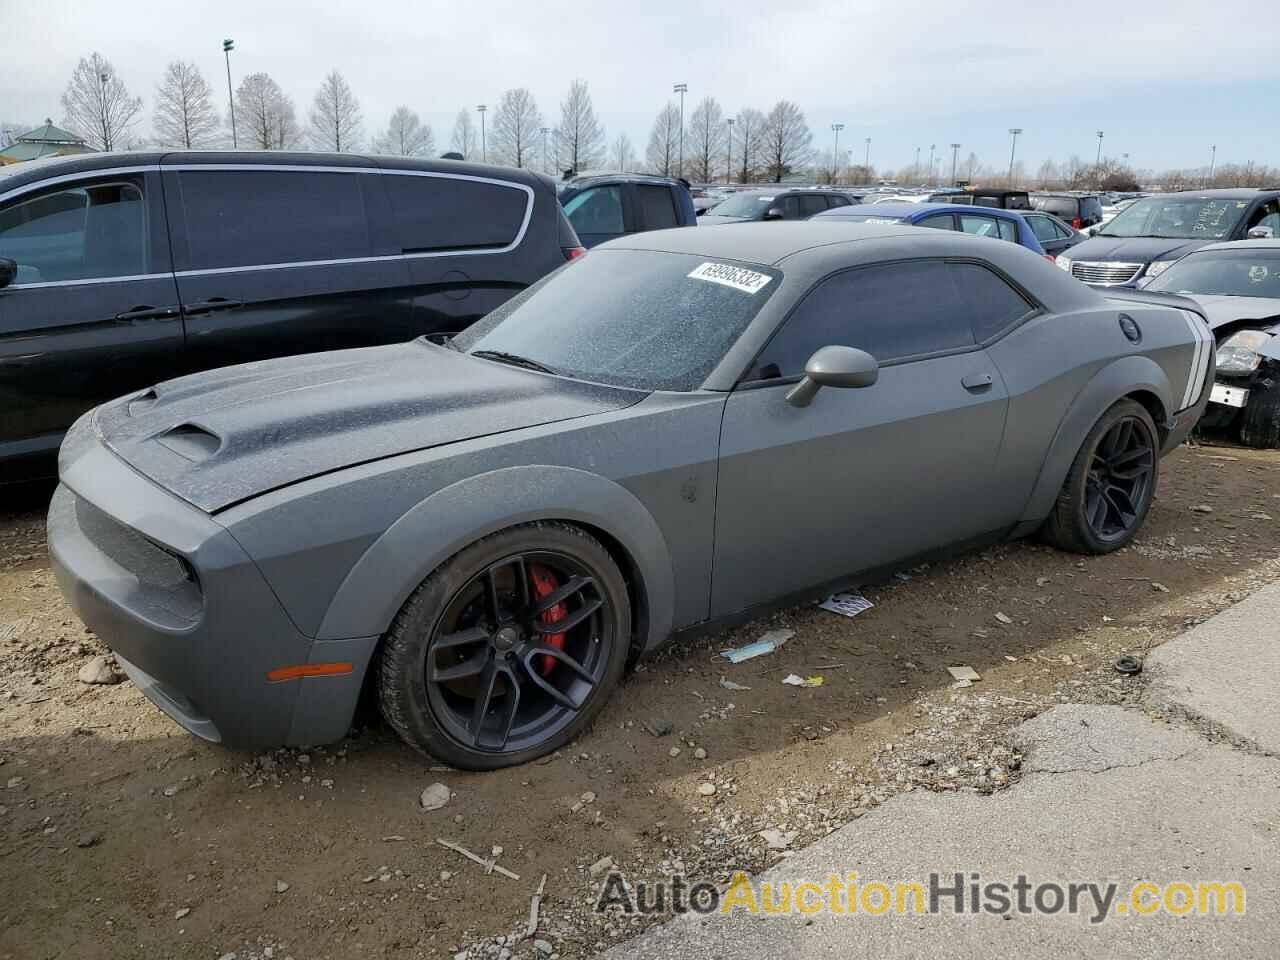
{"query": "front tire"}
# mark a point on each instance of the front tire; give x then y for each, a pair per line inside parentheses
(509, 649)
(1260, 420)
(1111, 483)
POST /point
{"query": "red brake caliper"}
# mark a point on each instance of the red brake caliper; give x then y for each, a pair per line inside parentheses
(545, 584)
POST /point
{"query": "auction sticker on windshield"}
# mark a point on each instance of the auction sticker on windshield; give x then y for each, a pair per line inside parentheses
(740, 278)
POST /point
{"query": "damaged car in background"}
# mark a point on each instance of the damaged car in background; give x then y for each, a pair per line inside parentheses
(489, 531)
(1237, 285)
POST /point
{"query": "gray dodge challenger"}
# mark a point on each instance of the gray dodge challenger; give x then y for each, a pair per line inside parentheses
(679, 430)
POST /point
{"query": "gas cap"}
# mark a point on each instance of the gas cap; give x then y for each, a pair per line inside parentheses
(1130, 328)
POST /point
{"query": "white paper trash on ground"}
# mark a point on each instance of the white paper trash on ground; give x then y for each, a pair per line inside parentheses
(846, 604)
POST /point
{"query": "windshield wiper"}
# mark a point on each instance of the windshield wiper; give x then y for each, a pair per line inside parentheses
(515, 360)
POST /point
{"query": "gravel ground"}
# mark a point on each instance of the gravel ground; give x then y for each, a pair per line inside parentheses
(121, 836)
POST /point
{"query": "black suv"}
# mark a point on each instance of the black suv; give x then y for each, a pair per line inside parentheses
(1080, 210)
(774, 204)
(983, 197)
(1149, 235)
(118, 271)
(601, 207)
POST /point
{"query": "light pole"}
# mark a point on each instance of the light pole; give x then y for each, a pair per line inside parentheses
(227, 47)
(866, 160)
(955, 158)
(835, 152)
(1213, 161)
(545, 131)
(102, 102)
(1098, 161)
(682, 89)
(916, 168)
(931, 149)
(1013, 132)
(484, 153)
(728, 165)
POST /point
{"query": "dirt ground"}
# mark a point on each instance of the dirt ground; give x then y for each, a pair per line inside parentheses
(121, 836)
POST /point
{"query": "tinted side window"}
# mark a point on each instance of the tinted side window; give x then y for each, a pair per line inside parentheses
(238, 218)
(985, 299)
(83, 233)
(440, 213)
(1007, 230)
(811, 205)
(598, 210)
(791, 207)
(891, 311)
(979, 225)
(1044, 228)
(838, 201)
(657, 209)
(939, 221)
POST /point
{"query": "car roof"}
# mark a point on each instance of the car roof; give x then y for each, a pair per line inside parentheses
(595, 179)
(1228, 193)
(765, 243)
(1270, 244)
(907, 209)
(21, 174)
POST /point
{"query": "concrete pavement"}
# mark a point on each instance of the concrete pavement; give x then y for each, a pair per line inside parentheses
(1108, 794)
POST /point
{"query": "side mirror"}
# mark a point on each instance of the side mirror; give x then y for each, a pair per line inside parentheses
(834, 367)
(1092, 231)
(773, 213)
(1261, 233)
(8, 271)
(701, 211)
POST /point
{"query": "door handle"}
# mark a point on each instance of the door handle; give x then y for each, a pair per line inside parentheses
(976, 381)
(146, 312)
(212, 304)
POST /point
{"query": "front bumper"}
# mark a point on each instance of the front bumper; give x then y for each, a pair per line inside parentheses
(187, 612)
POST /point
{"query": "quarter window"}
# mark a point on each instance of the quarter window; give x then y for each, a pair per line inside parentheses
(596, 211)
(85, 233)
(984, 298)
(979, 226)
(444, 213)
(891, 311)
(238, 218)
(656, 209)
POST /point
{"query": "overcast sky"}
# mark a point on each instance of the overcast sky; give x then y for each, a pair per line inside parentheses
(1164, 81)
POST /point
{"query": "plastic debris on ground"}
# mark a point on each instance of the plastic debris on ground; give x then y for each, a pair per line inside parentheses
(730, 685)
(795, 680)
(770, 642)
(964, 676)
(846, 604)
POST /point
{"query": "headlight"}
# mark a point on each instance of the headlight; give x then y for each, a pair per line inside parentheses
(1157, 267)
(1063, 261)
(1239, 353)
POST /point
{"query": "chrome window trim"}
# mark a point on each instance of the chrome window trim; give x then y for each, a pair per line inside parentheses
(40, 185)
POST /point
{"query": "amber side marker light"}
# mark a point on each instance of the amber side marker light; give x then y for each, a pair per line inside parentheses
(309, 670)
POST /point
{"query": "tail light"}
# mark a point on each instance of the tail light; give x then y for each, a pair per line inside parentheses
(573, 253)
(1077, 223)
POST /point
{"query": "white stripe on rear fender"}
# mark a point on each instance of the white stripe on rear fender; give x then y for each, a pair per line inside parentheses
(1200, 357)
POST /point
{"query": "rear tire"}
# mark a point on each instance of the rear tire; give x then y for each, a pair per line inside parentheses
(1109, 488)
(1260, 420)
(471, 672)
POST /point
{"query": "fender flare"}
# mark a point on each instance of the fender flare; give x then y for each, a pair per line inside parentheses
(1120, 378)
(450, 519)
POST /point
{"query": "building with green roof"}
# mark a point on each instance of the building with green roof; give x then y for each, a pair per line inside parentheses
(45, 141)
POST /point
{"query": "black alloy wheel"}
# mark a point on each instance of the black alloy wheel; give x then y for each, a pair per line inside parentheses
(1119, 479)
(509, 649)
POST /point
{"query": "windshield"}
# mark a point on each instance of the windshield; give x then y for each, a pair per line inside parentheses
(743, 205)
(1231, 273)
(630, 318)
(1180, 218)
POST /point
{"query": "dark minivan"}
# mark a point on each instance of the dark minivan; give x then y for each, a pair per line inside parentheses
(606, 206)
(118, 271)
(777, 203)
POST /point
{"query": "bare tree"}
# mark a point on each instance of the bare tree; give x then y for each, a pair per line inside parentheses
(465, 140)
(335, 116)
(579, 138)
(787, 140)
(624, 155)
(664, 141)
(748, 136)
(97, 105)
(185, 115)
(707, 136)
(516, 125)
(266, 114)
(406, 136)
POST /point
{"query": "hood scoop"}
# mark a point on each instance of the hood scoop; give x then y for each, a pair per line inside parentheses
(191, 442)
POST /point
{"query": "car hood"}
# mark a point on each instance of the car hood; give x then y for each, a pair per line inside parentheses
(1220, 311)
(1133, 249)
(711, 219)
(218, 438)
